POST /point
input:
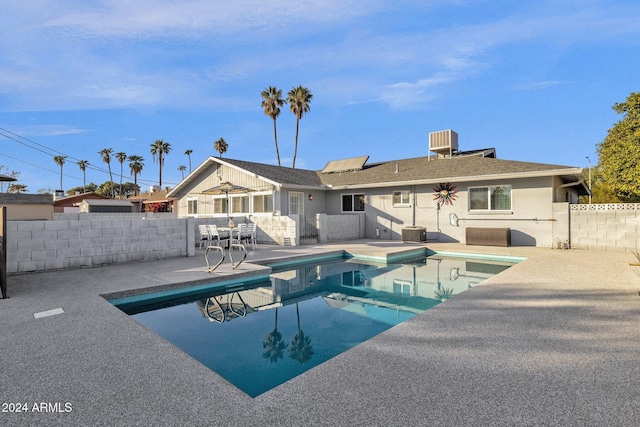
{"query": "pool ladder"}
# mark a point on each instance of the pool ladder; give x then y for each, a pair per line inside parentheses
(216, 312)
(221, 249)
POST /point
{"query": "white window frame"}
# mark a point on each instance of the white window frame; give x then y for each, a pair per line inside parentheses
(213, 203)
(353, 200)
(190, 200)
(401, 194)
(263, 195)
(295, 194)
(231, 200)
(489, 205)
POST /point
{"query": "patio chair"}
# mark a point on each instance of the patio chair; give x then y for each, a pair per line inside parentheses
(205, 236)
(245, 234)
(217, 238)
(249, 234)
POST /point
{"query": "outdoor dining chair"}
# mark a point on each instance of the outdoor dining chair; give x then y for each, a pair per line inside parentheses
(217, 238)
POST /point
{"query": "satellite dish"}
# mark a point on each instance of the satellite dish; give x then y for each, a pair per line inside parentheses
(453, 219)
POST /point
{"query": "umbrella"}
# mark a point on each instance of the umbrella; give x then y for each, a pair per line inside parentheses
(227, 188)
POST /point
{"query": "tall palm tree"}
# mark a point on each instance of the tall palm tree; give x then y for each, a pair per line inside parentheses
(301, 348)
(121, 158)
(158, 149)
(271, 102)
(188, 154)
(273, 346)
(182, 168)
(82, 164)
(60, 162)
(299, 99)
(220, 146)
(106, 153)
(136, 165)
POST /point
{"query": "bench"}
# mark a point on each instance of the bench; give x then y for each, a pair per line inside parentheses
(485, 236)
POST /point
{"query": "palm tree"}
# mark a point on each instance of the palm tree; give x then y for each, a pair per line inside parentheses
(106, 153)
(182, 168)
(188, 154)
(301, 348)
(121, 158)
(220, 146)
(273, 346)
(60, 162)
(271, 102)
(299, 99)
(82, 164)
(158, 149)
(136, 165)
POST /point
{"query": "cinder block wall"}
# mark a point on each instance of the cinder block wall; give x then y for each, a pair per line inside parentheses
(612, 227)
(50, 245)
(278, 230)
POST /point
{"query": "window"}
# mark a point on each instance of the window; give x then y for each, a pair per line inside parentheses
(263, 203)
(192, 206)
(352, 202)
(220, 205)
(240, 204)
(497, 198)
(401, 197)
(296, 203)
(402, 287)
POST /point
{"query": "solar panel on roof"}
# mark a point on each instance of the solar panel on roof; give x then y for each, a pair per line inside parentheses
(343, 165)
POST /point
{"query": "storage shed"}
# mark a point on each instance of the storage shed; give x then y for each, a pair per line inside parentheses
(105, 206)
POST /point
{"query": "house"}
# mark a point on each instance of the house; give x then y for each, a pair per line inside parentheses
(445, 193)
(27, 207)
(153, 201)
(70, 204)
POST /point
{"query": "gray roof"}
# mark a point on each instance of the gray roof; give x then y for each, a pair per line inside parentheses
(417, 170)
(25, 199)
(281, 174)
(431, 169)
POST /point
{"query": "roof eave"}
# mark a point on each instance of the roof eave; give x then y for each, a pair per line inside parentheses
(205, 164)
(489, 177)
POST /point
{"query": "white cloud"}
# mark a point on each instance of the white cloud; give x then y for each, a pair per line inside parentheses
(120, 53)
(538, 85)
(48, 130)
(143, 18)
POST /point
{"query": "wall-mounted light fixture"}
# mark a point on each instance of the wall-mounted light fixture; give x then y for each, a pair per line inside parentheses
(310, 197)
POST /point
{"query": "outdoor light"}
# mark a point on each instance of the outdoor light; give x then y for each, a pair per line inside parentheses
(310, 197)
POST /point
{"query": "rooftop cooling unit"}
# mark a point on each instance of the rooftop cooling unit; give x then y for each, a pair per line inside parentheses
(444, 143)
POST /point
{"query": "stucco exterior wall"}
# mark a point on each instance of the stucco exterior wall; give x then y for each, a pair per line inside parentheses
(530, 218)
(28, 212)
(345, 227)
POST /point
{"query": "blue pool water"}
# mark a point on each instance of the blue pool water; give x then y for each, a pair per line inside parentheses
(261, 335)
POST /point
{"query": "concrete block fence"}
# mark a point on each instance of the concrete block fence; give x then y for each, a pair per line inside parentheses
(59, 244)
(611, 227)
(87, 240)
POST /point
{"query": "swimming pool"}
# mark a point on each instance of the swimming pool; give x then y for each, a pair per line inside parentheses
(260, 335)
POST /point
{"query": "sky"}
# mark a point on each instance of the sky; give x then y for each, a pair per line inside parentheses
(535, 80)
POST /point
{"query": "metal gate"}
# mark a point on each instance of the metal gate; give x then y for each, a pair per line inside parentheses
(308, 230)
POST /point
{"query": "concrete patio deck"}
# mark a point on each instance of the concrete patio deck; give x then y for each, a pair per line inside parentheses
(554, 340)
